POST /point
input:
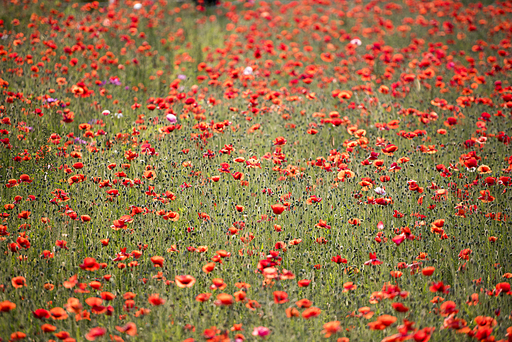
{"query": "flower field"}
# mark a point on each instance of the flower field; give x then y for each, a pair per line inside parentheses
(314, 170)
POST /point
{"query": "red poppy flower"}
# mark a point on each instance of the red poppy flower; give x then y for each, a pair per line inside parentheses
(439, 287)
(449, 307)
(304, 282)
(503, 287)
(465, 253)
(279, 141)
(155, 299)
(280, 297)
(373, 260)
(486, 196)
(24, 215)
(400, 307)
(278, 208)
(90, 264)
(203, 297)
(339, 260)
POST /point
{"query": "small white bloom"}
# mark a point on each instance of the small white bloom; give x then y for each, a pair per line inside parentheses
(248, 71)
(119, 115)
(137, 6)
(380, 191)
(356, 42)
(106, 112)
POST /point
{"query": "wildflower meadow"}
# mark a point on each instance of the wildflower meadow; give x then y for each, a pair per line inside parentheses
(310, 170)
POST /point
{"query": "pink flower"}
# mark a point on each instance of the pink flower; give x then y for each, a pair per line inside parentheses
(394, 167)
(95, 333)
(261, 331)
(171, 118)
(399, 239)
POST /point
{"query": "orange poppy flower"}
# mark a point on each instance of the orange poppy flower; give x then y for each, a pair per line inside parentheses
(387, 320)
(345, 94)
(173, 216)
(58, 313)
(304, 303)
(327, 57)
(7, 306)
(484, 169)
(349, 286)
(354, 221)
(18, 335)
(240, 296)
(331, 328)
(218, 283)
(94, 301)
(311, 313)
(48, 328)
(209, 267)
(18, 282)
(292, 312)
(203, 297)
(185, 281)
(428, 271)
(224, 299)
(396, 274)
(129, 329)
(95, 285)
(157, 261)
(108, 296)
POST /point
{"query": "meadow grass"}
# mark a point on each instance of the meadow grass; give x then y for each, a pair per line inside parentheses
(169, 58)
